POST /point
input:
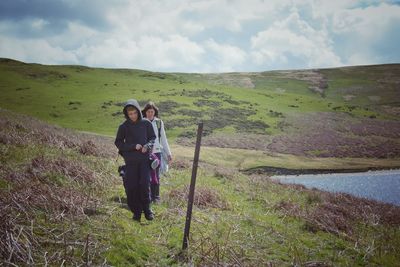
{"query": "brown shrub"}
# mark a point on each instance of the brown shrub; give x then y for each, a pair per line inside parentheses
(19, 207)
(204, 197)
(68, 168)
(32, 188)
(52, 199)
(19, 242)
(222, 172)
(23, 130)
(336, 212)
(34, 193)
(180, 164)
(329, 134)
(89, 148)
(12, 249)
(31, 193)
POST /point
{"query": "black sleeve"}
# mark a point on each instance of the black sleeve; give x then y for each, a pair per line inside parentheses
(120, 140)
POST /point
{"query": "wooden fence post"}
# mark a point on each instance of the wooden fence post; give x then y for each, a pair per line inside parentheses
(192, 187)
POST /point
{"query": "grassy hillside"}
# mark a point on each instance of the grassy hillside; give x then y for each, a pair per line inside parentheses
(345, 112)
(61, 203)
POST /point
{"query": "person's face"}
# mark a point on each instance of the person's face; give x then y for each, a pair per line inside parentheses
(133, 115)
(150, 114)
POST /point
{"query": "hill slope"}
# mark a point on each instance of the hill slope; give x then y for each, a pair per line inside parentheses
(62, 203)
(344, 112)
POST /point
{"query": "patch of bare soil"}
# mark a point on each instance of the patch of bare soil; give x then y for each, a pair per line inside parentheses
(315, 79)
(374, 98)
(348, 97)
(232, 79)
(391, 110)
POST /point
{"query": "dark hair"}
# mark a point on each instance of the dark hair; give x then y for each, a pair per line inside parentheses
(148, 106)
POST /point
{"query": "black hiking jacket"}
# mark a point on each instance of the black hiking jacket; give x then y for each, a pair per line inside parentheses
(132, 133)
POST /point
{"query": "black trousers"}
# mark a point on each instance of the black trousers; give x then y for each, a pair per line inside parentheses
(155, 187)
(136, 183)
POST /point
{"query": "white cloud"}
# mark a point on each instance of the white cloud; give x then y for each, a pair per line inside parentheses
(152, 18)
(39, 24)
(360, 58)
(149, 52)
(214, 35)
(109, 52)
(226, 57)
(365, 21)
(230, 15)
(33, 50)
(190, 17)
(174, 52)
(325, 9)
(293, 38)
(367, 32)
(75, 36)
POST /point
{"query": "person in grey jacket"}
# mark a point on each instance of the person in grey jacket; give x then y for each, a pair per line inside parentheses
(135, 139)
(161, 146)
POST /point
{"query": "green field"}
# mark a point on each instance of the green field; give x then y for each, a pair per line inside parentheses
(86, 98)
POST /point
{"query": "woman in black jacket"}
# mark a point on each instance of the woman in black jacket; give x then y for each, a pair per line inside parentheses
(135, 140)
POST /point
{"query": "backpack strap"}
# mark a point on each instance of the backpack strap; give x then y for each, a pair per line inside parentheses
(158, 122)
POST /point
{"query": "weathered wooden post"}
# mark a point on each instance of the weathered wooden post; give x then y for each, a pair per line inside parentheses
(192, 186)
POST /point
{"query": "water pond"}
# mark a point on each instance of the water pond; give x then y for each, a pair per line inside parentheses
(379, 185)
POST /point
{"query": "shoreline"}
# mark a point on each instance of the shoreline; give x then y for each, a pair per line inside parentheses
(285, 171)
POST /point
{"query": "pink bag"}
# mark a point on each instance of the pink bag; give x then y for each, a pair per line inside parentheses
(154, 163)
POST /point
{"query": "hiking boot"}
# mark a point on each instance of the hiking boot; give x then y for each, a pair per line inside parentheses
(136, 218)
(149, 215)
(154, 192)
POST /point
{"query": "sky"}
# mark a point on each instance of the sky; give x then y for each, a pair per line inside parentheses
(201, 36)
